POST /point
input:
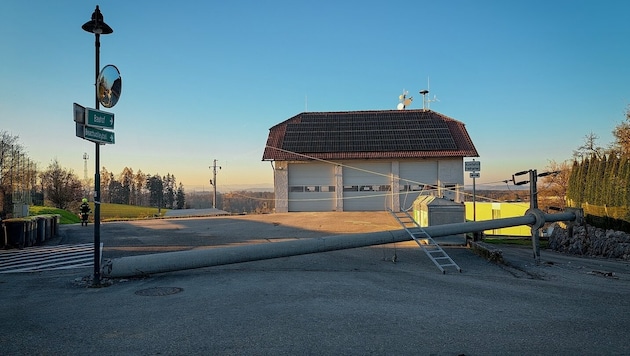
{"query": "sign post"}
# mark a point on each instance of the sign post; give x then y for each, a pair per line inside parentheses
(473, 167)
(108, 86)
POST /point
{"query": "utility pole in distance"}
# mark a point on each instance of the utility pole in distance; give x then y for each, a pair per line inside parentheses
(213, 182)
(533, 202)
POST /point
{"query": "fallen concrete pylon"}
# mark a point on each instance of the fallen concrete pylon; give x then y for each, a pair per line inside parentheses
(181, 260)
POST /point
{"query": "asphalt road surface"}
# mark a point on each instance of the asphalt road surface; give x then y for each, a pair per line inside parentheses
(349, 302)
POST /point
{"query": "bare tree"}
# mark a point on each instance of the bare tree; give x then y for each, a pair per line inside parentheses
(62, 187)
(9, 148)
(589, 148)
(552, 189)
(622, 136)
(105, 180)
(17, 173)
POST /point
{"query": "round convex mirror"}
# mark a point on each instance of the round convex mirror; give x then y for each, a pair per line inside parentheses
(109, 85)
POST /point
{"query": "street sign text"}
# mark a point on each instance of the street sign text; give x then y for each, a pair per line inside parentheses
(472, 166)
(97, 118)
(98, 135)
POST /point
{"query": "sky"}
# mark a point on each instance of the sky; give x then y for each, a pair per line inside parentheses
(205, 80)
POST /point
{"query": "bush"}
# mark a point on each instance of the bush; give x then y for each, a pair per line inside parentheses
(608, 223)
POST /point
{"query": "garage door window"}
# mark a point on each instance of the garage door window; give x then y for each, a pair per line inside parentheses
(375, 188)
(413, 187)
(311, 188)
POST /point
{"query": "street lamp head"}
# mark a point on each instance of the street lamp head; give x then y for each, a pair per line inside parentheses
(96, 25)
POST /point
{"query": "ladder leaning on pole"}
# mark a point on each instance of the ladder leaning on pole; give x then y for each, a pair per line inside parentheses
(426, 242)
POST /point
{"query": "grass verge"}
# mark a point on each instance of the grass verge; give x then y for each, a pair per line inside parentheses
(109, 212)
(66, 216)
(128, 212)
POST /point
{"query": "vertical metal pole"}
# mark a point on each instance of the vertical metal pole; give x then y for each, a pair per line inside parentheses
(214, 183)
(474, 199)
(97, 178)
(533, 204)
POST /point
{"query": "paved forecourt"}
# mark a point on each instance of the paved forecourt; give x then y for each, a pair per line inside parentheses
(344, 302)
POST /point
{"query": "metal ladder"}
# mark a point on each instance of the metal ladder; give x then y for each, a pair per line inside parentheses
(426, 242)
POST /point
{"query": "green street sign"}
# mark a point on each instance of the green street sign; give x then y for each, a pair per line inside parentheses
(97, 118)
(98, 135)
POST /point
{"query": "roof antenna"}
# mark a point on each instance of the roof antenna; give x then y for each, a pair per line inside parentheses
(424, 99)
(427, 102)
(404, 101)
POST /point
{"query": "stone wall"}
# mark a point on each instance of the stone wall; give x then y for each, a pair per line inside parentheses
(587, 240)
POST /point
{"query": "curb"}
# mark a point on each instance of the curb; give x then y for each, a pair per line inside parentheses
(487, 251)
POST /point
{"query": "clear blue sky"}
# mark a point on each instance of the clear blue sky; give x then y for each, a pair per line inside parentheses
(205, 80)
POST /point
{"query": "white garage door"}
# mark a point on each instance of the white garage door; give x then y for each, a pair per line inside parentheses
(415, 178)
(311, 187)
(366, 186)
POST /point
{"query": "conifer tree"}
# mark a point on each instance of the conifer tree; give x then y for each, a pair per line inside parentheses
(590, 187)
(604, 186)
(610, 181)
(573, 195)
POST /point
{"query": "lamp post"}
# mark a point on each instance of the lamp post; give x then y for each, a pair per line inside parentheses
(98, 27)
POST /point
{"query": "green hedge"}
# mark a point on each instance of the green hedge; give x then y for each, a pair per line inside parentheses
(601, 186)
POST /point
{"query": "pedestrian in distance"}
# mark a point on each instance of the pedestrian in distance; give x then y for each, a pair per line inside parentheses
(84, 212)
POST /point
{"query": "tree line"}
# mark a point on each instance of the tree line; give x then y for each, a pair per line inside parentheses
(142, 189)
(599, 178)
(21, 182)
(600, 181)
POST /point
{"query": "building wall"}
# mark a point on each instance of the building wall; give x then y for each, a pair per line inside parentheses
(490, 211)
(450, 176)
(281, 186)
(312, 187)
(364, 185)
(338, 184)
(367, 185)
(395, 183)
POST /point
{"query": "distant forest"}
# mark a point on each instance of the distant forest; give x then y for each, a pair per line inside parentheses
(236, 202)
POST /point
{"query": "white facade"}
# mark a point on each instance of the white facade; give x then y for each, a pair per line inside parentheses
(364, 185)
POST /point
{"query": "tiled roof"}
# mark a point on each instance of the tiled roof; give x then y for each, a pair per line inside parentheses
(368, 134)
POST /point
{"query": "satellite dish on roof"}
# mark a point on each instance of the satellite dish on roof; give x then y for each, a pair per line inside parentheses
(404, 101)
